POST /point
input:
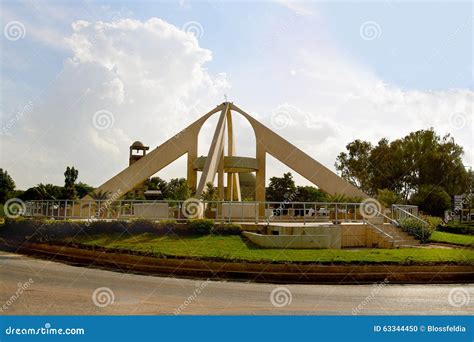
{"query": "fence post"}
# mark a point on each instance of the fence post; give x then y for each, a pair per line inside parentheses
(304, 213)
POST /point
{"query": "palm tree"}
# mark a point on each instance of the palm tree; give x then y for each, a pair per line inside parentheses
(99, 196)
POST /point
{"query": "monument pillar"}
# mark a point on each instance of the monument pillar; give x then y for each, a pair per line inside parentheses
(192, 155)
(260, 176)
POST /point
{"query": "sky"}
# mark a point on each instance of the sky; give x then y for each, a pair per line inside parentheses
(82, 80)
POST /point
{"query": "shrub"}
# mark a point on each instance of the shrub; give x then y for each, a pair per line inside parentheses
(420, 230)
(50, 230)
(169, 227)
(139, 226)
(433, 221)
(105, 227)
(201, 226)
(40, 230)
(227, 229)
(56, 230)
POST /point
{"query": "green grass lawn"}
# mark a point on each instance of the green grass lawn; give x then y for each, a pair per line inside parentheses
(459, 239)
(235, 248)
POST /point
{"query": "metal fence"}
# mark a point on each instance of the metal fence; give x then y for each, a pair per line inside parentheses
(227, 211)
(403, 211)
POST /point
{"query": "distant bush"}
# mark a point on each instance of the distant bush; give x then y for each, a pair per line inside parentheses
(457, 228)
(201, 226)
(227, 229)
(420, 230)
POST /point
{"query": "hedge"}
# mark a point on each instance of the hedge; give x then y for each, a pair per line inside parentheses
(227, 229)
(420, 230)
(201, 226)
(457, 228)
(50, 230)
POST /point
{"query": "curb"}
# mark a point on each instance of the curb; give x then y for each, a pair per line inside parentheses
(257, 272)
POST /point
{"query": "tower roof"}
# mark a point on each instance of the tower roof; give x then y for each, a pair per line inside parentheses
(137, 144)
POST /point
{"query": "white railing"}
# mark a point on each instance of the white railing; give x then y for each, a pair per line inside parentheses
(230, 211)
(373, 226)
(400, 212)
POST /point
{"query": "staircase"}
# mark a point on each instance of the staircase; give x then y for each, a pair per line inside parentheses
(390, 235)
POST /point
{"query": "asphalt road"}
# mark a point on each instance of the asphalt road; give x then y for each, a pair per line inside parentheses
(56, 289)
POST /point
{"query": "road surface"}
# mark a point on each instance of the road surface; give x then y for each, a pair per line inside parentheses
(40, 287)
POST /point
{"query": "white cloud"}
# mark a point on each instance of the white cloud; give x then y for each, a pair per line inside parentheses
(149, 75)
(339, 101)
(299, 7)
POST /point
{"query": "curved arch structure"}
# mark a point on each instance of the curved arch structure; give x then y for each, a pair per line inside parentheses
(267, 141)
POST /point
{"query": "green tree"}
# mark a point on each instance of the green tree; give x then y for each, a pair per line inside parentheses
(156, 183)
(309, 194)
(386, 168)
(211, 193)
(354, 165)
(388, 197)
(70, 177)
(100, 195)
(432, 199)
(341, 198)
(280, 188)
(469, 190)
(100, 207)
(178, 189)
(435, 160)
(7, 185)
(43, 192)
(83, 189)
(404, 165)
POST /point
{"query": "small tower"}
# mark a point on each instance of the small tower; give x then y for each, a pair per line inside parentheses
(137, 151)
